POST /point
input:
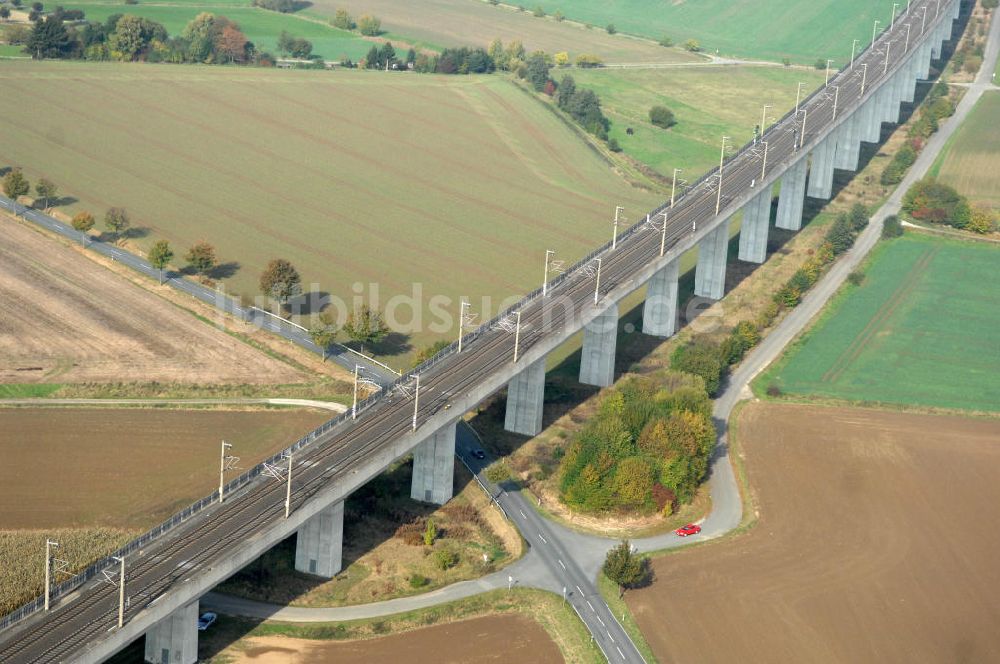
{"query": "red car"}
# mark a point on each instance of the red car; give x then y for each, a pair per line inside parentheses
(690, 529)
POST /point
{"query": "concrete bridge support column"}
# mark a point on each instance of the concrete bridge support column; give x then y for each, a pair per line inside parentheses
(791, 197)
(434, 467)
(935, 42)
(753, 230)
(912, 74)
(525, 399)
(710, 273)
(956, 11)
(888, 108)
(174, 640)
(821, 171)
(849, 144)
(600, 338)
(871, 123)
(320, 541)
(659, 313)
(924, 61)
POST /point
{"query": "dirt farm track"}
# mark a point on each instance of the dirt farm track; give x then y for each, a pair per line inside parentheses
(877, 541)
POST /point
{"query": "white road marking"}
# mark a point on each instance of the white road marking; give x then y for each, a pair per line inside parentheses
(620, 652)
(581, 592)
(561, 563)
(542, 537)
(591, 606)
(611, 637)
(602, 622)
(523, 515)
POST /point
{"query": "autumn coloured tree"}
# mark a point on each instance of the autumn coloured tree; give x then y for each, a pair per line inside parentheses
(324, 332)
(83, 222)
(281, 281)
(201, 258)
(231, 44)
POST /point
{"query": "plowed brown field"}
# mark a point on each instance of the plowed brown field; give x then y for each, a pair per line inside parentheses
(504, 638)
(877, 541)
(126, 467)
(66, 319)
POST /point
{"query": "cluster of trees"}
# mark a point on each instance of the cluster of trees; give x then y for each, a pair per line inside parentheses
(936, 202)
(895, 170)
(206, 39)
(582, 105)
(645, 450)
(463, 61)
(368, 25)
(711, 360)
(297, 47)
(384, 57)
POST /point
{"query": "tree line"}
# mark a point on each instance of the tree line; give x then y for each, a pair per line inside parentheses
(206, 39)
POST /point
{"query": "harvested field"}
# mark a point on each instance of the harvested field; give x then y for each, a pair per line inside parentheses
(441, 186)
(503, 638)
(875, 543)
(126, 467)
(921, 330)
(66, 319)
(443, 23)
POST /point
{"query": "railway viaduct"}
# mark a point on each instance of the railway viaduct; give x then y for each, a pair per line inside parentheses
(171, 567)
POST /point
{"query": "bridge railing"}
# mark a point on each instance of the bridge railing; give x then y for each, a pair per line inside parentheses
(245, 478)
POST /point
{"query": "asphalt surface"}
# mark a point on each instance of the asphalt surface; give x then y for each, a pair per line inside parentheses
(72, 625)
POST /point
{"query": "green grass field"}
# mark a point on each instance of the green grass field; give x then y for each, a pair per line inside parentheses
(709, 103)
(452, 186)
(971, 160)
(802, 30)
(262, 27)
(923, 329)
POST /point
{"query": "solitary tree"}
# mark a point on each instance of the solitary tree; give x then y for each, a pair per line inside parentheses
(280, 280)
(15, 184)
(160, 254)
(116, 220)
(343, 20)
(662, 117)
(624, 567)
(4, 12)
(83, 222)
(365, 325)
(46, 190)
(370, 26)
(201, 258)
(430, 533)
(324, 332)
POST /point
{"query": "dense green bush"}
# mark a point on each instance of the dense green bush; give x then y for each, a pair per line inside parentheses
(662, 117)
(891, 227)
(700, 357)
(930, 200)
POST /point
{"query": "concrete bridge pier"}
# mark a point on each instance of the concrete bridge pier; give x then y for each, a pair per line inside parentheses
(434, 467)
(597, 360)
(912, 74)
(821, 171)
(871, 124)
(792, 196)
(924, 61)
(710, 272)
(659, 312)
(320, 541)
(174, 640)
(849, 144)
(755, 226)
(525, 400)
